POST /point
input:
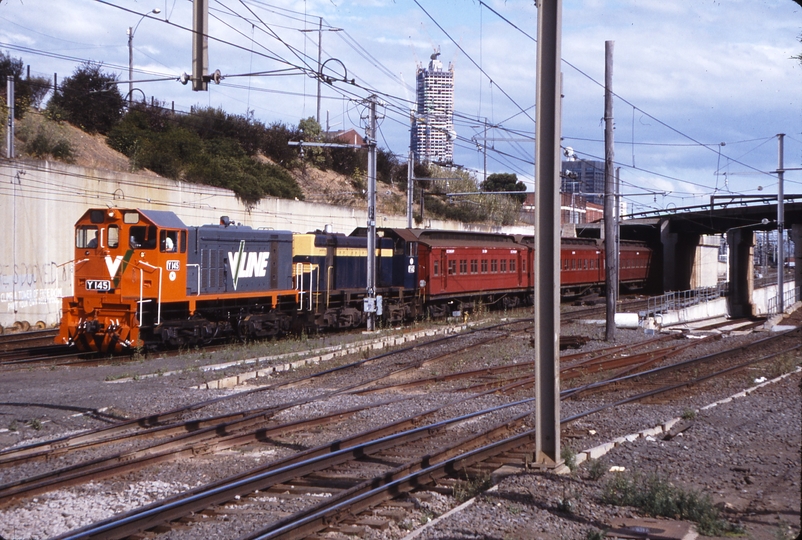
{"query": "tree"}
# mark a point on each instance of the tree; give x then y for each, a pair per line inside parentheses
(89, 99)
(310, 131)
(505, 182)
(23, 88)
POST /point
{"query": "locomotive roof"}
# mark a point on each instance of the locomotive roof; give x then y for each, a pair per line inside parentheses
(163, 218)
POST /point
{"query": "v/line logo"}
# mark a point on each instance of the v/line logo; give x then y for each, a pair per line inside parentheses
(247, 264)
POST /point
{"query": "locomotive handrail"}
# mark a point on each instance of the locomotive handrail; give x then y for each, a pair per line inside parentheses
(72, 261)
(328, 285)
(158, 298)
(299, 275)
(197, 292)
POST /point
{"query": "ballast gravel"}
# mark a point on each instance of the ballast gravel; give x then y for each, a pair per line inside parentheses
(743, 454)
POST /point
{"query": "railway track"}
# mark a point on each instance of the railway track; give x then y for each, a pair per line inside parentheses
(208, 435)
(337, 470)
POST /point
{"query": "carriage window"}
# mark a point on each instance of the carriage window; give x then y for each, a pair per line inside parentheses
(114, 236)
(474, 266)
(493, 266)
(142, 237)
(573, 264)
(452, 268)
(436, 268)
(168, 241)
(503, 265)
(463, 266)
(523, 266)
(512, 265)
(484, 266)
(86, 237)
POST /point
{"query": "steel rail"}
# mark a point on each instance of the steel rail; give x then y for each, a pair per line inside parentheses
(191, 444)
(311, 521)
(144, 518)
(64, 444)
(428, 473)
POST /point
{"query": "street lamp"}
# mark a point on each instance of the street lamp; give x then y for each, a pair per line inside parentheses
(131, 54)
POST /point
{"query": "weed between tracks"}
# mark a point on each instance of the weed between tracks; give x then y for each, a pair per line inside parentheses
(471, 487)
(659, 498)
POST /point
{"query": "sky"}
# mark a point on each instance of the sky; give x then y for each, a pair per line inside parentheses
(702, 88)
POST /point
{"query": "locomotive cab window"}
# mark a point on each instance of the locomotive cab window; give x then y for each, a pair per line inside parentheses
(114, 236)
(142, 237)
(168, 241)
(86, 236)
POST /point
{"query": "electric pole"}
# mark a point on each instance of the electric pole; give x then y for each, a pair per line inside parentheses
(370, 140)
(610, 222)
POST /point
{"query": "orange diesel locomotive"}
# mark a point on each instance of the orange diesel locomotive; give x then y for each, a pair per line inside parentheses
(144, 276)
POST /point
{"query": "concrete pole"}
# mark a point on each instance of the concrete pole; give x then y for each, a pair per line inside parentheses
(780, 224)
(10, 124)
(484, 151)
(200, 44)
(410, 168)
(371, 268)
(610, 247)
(547, 235)
(617, 214)
(130, 66)
(410, 191)
(319, 74)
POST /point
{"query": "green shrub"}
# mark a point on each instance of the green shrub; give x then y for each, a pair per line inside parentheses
(596, 469)
(657, 497)
(568, 455)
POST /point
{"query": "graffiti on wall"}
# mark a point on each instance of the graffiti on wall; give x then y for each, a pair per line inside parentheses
(25, 285)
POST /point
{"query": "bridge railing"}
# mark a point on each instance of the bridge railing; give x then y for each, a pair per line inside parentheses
(717, 202)
(676, 301)
(789, 297)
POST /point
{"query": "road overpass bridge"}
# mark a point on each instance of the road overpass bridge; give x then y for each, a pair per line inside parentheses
(677, 235)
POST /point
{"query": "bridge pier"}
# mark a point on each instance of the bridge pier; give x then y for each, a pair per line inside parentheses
(741, 272)
(679, 254)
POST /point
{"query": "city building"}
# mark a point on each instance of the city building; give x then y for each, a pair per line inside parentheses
(585, 178)
(433, 124)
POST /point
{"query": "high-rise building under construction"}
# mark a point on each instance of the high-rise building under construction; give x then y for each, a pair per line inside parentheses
(433, 125)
